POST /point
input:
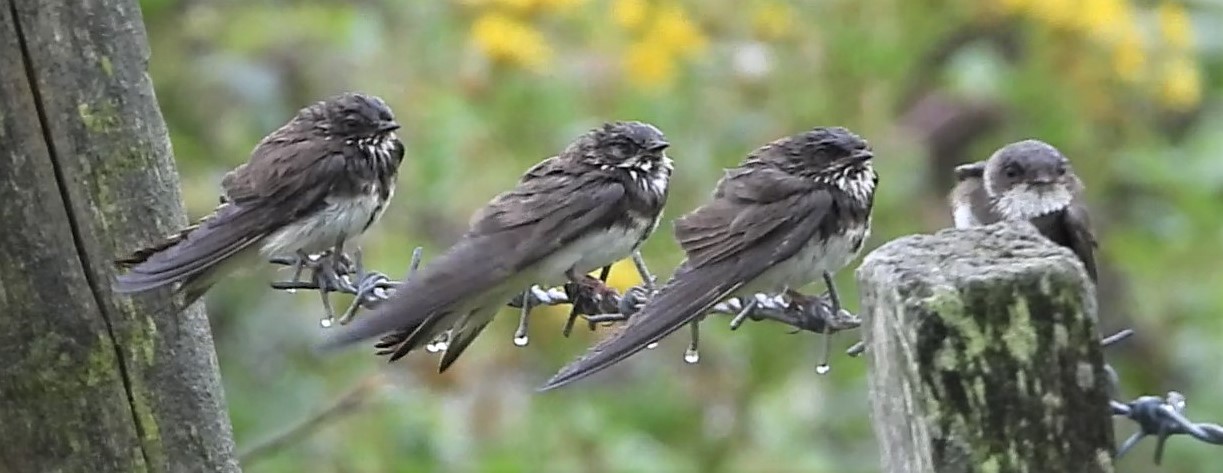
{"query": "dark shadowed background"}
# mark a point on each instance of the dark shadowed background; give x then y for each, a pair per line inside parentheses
(1127, 89)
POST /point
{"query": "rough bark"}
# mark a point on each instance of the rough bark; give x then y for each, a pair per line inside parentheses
(984, 354)
(91, 380)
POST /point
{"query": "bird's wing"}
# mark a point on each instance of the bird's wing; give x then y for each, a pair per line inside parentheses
(289, 178)
(259, 199)
(513, 232)
(1081, 239)
(970, 205)
(970, 171)
(759, 218)
(748, 206)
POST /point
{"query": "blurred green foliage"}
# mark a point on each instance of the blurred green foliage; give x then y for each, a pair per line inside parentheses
(1127, 89)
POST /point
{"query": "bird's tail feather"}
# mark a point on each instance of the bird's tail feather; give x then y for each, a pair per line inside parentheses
(688, 295)
(192, 253)
(434, 296)
(463, 337)
(424, 333)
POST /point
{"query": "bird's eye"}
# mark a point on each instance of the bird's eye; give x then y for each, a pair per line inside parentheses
(1061, 169)
(1011, 171)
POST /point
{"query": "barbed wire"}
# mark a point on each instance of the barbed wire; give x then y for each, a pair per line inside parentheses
(1162, 418)
(1155, 416)
(370, 288)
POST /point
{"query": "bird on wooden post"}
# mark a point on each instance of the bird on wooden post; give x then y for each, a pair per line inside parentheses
(1027, 180)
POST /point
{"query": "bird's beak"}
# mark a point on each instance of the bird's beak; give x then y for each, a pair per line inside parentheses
(657, 145)
(1044, 180)
(388, 126)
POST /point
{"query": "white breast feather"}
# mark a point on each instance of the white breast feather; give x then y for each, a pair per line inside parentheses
(810, 262)
(963, 216)
(342, 216)
(588, 253)
(1024, 203)
(659, 178)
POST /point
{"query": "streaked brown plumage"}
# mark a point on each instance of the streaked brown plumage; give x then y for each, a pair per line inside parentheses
(794, 209)
(319, 180)
(586, 208)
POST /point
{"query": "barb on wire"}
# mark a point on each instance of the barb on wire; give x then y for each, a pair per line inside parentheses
(1162, 418)
(803, 313)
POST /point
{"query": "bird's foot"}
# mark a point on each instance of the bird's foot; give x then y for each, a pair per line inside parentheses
(299, 262)
(371, 288)
(835, 303)
(325, 261)
(618, 310)
(303, 260)
(328, 279)
(597, 287)
(634, 299)
(592, 298)
(572, 291)
(749, 304)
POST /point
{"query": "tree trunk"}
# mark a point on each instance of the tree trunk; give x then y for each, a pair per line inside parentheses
(91, 380)
(984, 355)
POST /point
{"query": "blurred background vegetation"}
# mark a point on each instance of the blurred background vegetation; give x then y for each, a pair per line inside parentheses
(1127, 89)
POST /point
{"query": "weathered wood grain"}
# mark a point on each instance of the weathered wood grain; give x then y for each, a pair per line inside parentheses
(91, 380)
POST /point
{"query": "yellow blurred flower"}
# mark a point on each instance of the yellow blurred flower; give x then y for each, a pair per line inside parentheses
(629, 14)
(1180, 86)
(772, 20)
(649, 66)
(1128, 55)
(1175, 25)
(652, 60)
(503, 38)
(674, 31)
(1105, 20)
(623, 275)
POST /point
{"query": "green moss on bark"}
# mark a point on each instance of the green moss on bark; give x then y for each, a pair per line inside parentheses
(984, 354)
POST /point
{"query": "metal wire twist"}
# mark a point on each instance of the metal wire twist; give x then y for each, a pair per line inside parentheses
(803, 313)
(1163, 418)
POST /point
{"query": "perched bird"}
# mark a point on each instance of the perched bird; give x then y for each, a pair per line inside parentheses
(1027, 180)
(795, 210)
(319, 180)
(586, 208)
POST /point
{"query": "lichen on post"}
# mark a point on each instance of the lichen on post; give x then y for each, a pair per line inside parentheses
(984, 354)
(91, 380)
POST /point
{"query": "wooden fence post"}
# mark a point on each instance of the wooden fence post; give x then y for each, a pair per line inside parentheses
(984, 355)
(89, 380)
